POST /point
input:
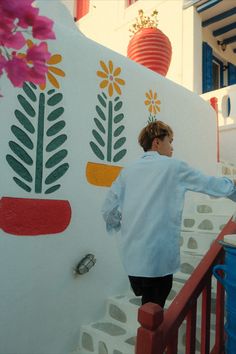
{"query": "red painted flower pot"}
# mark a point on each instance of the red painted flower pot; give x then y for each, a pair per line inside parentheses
(30, 217)
(151, 47)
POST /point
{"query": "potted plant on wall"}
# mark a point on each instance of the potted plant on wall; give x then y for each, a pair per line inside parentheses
(149, 46)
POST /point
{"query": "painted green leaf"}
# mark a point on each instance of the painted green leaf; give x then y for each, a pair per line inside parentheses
(104, 95)
(22, 184)
(22, 137)
(56, 158)
(55, 114)
(119, 155)
(55, 143)
(33, 85)
(98, 137)
(57, 173)
(97, 151)
(99, 125)
(52, 189)
(29, 92)
(19, 168)
(21, 153)
(50, 92)
(24, 121)
(55, 128)
(118, 106)
(118, 118)
(119, 143)
(26, 105)
(55, 99)
(119, 130)
(116, 99)
(102, 101)
(100, 113)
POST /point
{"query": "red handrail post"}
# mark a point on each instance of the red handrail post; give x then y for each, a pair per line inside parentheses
(206, 318)
(149, 339)
(214, 104)
(191, 329)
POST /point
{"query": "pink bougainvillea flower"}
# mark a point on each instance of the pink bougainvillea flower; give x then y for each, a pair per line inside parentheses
(17, 71)
(42, 28)
(38, 74)
(2, 63)
(38, 53)
(18, 9)
(14, 41)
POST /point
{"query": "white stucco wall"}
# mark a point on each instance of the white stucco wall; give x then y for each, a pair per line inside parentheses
(42, 305)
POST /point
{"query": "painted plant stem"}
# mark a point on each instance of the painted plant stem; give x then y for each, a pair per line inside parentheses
(109, 131)
(39, 149)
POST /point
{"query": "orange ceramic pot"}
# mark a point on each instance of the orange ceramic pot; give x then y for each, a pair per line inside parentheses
(152, 48)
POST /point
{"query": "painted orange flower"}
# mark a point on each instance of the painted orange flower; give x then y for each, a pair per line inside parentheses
(110, 76)
(152, 102)
(53, 70)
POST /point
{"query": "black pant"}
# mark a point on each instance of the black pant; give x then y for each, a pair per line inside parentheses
(152, 289)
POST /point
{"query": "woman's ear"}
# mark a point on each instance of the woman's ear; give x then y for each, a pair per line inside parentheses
(155, 144)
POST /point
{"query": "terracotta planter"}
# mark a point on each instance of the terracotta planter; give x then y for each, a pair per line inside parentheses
(151, 47)
(100, 174)
(31, 217)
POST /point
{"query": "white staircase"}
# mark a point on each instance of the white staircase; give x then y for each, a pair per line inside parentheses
(115, 333)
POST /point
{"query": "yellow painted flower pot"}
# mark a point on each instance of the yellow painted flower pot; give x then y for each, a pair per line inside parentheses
(101, 175)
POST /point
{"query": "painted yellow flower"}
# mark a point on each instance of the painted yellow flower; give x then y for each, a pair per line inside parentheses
(152, 102)
(52, 69)
(110, 76)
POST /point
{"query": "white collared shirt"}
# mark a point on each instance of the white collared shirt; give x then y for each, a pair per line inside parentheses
(146, 202)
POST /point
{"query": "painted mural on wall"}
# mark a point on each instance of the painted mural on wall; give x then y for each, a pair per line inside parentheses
(37, 158)
(152, 104)
(108, 141)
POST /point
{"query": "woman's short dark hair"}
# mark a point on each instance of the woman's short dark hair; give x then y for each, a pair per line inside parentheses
(153, 130)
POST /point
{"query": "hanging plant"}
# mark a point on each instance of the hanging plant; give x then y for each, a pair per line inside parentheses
(149, 46)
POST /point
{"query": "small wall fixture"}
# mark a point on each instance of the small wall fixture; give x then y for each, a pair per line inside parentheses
(222, 44)
(225, 67)
(85, 264)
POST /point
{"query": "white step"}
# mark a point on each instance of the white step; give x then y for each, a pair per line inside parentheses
(204, 223)
(196, 242)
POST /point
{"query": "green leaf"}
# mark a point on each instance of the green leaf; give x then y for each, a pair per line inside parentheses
(51, 91)
(22, 137)
(104, 95)
(52, 189)
(55, 128)
(119, 143)
(29, 92)
(19, 168)
(21, 153)
(99, 125)
(98, 137)
(55, 114)
(56, 158)
(100, 113)
(55, 143)
(118, 118)
(57, 173)
(33, 85)
(116, 99)
(119, 130)
(55, 99)
(22, 184)
(96, 150)
(102, 101)
(26, 105)
(118, 106)
(119, 155)
(24, 121)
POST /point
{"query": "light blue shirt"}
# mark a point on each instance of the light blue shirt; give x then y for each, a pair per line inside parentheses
(146, 202)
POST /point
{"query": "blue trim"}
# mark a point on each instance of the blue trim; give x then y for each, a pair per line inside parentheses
(229, 40)
(207, 5)
(224, 29)
(221, 69)
(207, 74)
(231, 74)
(219, 17)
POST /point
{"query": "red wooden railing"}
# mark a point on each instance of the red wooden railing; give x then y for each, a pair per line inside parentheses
(159, 328)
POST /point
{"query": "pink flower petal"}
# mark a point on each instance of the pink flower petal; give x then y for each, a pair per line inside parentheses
(15, 41)
(42, 28)
(38, 53)
(17, 71)
(38, 74)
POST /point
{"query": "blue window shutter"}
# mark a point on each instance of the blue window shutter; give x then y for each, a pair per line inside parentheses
(207, 75)
(231, 74)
